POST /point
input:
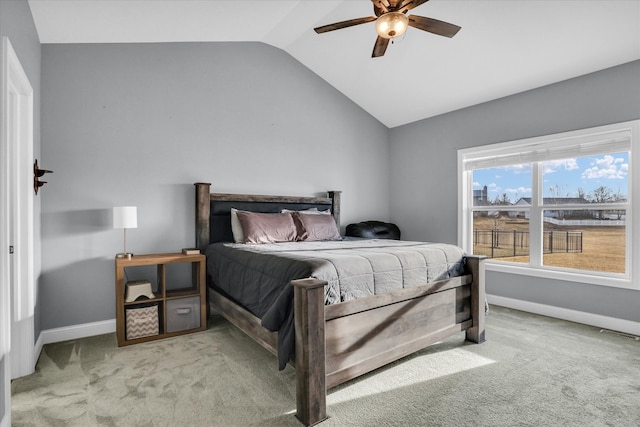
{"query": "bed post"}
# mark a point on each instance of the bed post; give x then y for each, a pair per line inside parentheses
(203, 209)
(475, 264)
(311, 389)
(335, 205)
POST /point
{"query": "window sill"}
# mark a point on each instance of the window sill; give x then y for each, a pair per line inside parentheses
(592, 278)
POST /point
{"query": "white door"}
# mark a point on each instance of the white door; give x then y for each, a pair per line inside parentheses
(17, 286)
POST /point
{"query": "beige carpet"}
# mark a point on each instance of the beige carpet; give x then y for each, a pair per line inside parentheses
(532, 371)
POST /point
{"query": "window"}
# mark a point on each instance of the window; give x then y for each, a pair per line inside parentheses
(559, 206)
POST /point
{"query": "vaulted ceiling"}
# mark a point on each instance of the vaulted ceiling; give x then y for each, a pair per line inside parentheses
(504, 47)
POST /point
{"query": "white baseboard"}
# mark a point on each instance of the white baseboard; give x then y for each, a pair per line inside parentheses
(627, 326)
(605, 322)
(73, 332)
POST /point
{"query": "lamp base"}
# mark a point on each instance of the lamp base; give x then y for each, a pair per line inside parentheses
(125, 255)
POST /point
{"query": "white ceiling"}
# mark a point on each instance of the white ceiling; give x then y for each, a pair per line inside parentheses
(504, 47)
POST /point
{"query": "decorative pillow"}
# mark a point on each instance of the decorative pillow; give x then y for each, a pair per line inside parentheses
(316, 227)
(310, 211)
(267, 227)
(236, 227)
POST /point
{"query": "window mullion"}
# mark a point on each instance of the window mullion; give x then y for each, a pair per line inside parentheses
(535, 217)
(465, 222)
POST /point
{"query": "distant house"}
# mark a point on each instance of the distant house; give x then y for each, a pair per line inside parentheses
(557, 201)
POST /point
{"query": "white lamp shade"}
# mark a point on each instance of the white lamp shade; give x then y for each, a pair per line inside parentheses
(392, 25)
(125, 217)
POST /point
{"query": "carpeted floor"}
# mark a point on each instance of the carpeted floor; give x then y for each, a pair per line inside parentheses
(531, 371)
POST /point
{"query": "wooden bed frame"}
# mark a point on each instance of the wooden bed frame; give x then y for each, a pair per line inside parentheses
(339, 342)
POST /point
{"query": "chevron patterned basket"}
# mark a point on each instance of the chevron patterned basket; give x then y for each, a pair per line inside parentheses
(142, 322)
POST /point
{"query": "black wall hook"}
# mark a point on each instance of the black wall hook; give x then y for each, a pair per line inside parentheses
(37, 173)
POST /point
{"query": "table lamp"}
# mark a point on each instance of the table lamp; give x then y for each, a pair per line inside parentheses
(125, 217)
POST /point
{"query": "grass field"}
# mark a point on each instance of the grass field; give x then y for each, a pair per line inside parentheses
(603, 248)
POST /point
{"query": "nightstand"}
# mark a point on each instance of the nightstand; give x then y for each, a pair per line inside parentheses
(177, 305)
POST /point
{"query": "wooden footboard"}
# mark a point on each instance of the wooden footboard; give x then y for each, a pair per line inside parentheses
(360, 342)
(475, 265)
(343, 341)
(339, 342)
(311, 386)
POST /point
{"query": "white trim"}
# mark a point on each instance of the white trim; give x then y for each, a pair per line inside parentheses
(557, 273)
(18, 219)
(606, 322)
(6, 421)
(74, 332)
(584, 142)
(5, 295)
(19, 139)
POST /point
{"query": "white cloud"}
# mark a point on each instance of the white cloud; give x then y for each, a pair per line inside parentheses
(523, 168)
(607, 167)
(522, 191)
(552, 166)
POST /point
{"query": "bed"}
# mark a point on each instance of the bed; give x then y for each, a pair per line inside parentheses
(329, 335)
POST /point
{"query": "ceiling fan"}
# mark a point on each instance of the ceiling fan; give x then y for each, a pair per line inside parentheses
(392, 21)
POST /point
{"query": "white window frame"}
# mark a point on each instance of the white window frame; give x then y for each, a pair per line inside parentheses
(619, 137)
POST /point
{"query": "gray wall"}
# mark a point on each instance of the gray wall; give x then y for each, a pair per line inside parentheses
(424, 171)
(17, 24)
(138, 124)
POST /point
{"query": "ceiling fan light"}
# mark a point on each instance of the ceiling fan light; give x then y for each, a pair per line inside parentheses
(392, 25)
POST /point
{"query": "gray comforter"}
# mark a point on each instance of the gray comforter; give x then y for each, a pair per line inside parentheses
(258, 276)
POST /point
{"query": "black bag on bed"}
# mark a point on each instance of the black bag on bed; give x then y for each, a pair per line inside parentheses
(373, 230)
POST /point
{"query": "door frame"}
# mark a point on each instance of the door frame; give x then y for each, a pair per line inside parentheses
(17, 281)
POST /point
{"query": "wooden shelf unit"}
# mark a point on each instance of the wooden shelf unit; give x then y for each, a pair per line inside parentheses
(162, 294)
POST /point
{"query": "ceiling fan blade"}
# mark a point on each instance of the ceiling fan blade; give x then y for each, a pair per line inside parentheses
(344, 24)
(380, 47)
(380, 6)
(434, 26)
(407, 5)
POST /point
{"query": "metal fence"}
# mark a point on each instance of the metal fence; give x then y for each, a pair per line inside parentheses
(511, 243)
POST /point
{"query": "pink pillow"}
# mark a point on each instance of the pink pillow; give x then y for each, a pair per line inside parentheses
(316, 227)
(267, 227)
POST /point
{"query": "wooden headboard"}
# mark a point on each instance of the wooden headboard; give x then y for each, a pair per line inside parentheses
(213, 210)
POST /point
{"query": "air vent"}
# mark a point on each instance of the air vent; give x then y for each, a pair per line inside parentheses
(620, 334)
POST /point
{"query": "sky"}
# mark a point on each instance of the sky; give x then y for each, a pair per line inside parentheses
(561, 178)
